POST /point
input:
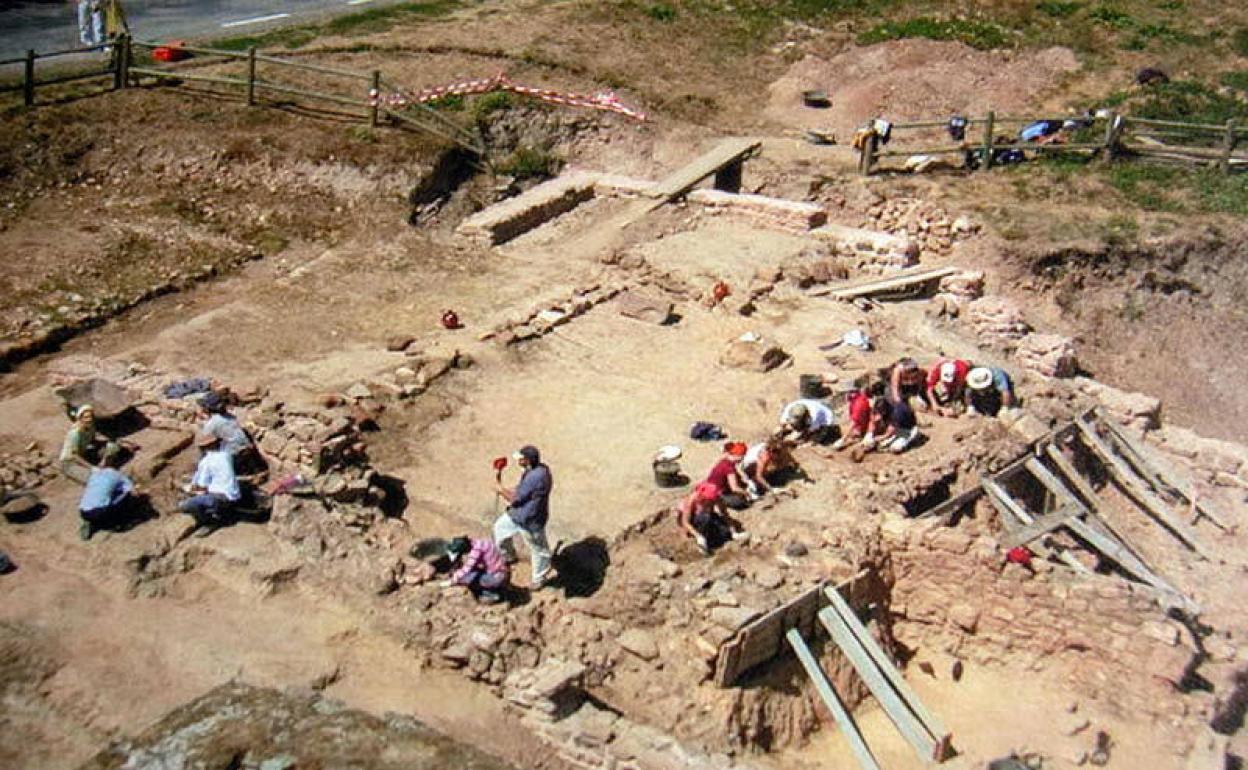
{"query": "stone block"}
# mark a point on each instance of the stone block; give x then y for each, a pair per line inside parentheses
(762, 211)
(639, 642)
(1049, 355)
(512, 217)
(996, 321)
(733, 618)
(1136, 410)
(756, 355)
(641, 306)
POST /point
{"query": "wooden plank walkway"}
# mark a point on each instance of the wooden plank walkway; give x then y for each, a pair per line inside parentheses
(683, 179)
(905, 279)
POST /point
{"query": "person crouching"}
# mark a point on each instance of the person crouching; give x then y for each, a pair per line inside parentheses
(214, 488)
(479, 566)
(704, 518)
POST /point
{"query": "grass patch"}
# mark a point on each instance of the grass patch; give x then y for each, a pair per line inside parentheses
(490, 103)
(1058, 9)
(661, 12)
(977, 34)
(1190, 101)
(1237, 80)
(1239, 41)
(358, 23)
(1177, 189)
(528, 163)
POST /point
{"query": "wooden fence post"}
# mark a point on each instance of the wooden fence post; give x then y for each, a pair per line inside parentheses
(1228, 147)
(251, 76)
(127, 55)
(118, 52)
(28, 80)
(1112, 130)
(867, 157)
(374, 96)
(989, 127)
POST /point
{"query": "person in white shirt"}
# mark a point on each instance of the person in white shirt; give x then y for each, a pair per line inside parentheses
(214, 487)
(807, 420)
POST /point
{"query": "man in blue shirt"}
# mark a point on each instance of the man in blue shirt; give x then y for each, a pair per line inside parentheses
(105, 497)
(214, 486)
(528, 508)
(988, 391)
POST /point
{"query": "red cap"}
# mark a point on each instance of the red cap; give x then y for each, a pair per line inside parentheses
(1019, 555)
(499, 463)
(735, 448)
(707, 492)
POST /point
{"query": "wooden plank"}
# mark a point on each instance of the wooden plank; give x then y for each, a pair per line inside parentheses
(953, 504)
(1159, 472)
(683, 179)
(844, 721)
(1041, 526)
(929, 721)
(1072, 474)
(1008, 507)
(905, 721)
(902, 280)
(1133, 486)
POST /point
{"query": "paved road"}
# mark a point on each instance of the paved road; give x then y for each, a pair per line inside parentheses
(47, 25)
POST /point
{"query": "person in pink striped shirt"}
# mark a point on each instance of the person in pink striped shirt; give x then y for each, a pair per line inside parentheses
(480, 566)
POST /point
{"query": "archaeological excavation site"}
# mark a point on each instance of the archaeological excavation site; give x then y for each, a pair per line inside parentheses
(629, 386)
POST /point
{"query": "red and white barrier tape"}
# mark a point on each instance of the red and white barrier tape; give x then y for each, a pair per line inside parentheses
(606, 101)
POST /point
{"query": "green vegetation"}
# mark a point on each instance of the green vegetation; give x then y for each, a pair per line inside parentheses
(1190, 101)
(529, 162)
(1180, 189)
(491, 103)
(977, 34)
(359, 23)
(661, 12)
(1239, 41)
(1237, 80)
(1058, 9)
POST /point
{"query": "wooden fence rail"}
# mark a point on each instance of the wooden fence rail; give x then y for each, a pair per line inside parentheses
(1123, 137)
(364, 91)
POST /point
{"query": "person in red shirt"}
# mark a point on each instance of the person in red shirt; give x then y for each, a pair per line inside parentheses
(857, 417)
(704, 518)
(726, 476)
(946, 381)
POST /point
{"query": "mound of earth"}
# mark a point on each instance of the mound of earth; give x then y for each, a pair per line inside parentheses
(237, 725)
(915, 79)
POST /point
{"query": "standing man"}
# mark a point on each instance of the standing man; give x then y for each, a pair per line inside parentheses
(528, 508)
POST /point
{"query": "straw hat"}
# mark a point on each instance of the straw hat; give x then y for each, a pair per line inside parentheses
(979, 378)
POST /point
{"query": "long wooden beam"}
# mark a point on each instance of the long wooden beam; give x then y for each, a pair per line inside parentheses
(902, 717)
(1133, 486)
(1008, 506)
(1041, 526)
(1157, 471)
(902, 280)
(934, 727)
(844, 721)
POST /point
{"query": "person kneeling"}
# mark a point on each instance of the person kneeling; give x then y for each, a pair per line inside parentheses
(766, 461)
(893, 427)
(214, 487)
(705, 518)
(480, 566)
(105, 499)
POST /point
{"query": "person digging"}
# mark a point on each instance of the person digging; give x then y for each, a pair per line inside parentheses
(765, 463)
(988, 391)
(106, 497)
(727, 478)
(946, 382)
(528, 508)
(83, 449)
(704, 517)
(480, 566)
(807, 420)
(214, 488)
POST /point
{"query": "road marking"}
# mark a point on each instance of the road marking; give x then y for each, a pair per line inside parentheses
(257, 20)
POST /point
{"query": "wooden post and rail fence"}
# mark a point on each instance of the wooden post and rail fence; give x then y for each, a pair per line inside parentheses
(125, 68)
(1123, 136)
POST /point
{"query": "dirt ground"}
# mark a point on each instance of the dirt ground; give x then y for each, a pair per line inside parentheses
(271, 250)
